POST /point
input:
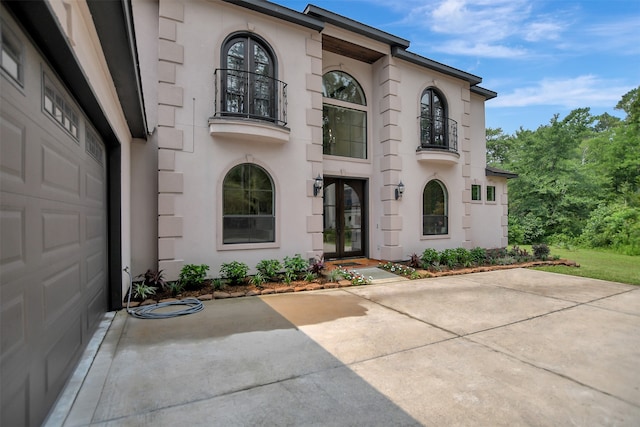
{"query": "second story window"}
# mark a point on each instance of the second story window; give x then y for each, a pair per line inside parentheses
(248, 84)
(344, 116)
(436, 129)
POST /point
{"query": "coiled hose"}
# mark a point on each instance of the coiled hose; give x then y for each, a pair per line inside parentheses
(194, 305)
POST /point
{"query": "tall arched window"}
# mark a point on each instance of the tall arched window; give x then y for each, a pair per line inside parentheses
(248, 209)
(435, 126)
(435, 219)
(344, 116)
(248, 78)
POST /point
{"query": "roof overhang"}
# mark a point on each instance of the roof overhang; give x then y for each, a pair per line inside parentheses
(488, 94)
(355, 26)
(434, 65)
(114, 24)
(491, 171)
(281, 12)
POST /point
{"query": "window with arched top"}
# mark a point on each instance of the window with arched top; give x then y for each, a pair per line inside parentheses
(248, 205)
(344, 116)
(435, 219)
(249, 86)
(436, 129)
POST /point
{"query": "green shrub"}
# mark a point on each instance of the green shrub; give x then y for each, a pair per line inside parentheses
(449, 257)
(217, 284)
(463, 257)
(176, 287)
(235, 272)
(541, 251)
(143, 291)
(430, 257)
(269, 268)
(296, 266)
(258, 280)
(192, 276)
(478, 255)
(334, 275)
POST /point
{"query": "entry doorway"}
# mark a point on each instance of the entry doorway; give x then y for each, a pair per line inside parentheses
(345, 217)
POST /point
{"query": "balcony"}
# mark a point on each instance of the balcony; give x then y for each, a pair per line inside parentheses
(438, 141)
(249, 106)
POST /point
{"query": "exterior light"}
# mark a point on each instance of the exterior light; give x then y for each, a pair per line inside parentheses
(399, 190)
(317, 185)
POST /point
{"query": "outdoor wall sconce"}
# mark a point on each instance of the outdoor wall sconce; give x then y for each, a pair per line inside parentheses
(399, 190)
(317, 185)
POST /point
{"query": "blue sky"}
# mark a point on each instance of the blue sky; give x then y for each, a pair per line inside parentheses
(542, 57)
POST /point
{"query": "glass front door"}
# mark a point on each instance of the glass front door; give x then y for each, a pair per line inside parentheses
(344, 218)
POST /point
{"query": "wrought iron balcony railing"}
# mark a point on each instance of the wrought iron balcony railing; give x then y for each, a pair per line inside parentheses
(438, 134)
(250, 95)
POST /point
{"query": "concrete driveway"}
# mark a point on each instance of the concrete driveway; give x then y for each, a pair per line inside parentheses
(513, 347)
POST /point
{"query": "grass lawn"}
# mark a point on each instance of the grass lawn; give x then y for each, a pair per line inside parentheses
(597, 264)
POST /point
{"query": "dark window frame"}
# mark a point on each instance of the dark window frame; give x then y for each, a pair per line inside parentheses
(336, 100)
(435, 219)
(434, 122)
(249, 215)
(476, 192)
(248, 79)
(491, 196)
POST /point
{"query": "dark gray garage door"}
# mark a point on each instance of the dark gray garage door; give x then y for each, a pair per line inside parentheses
(53, 225)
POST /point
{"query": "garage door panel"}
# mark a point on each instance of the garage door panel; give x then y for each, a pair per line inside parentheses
(15, 407)
(12, 149)
(53, 251)
(13, 326)
(94, 195)
(13, 231)
(59, 173)
(60, 229)
(57, 360)
(60, 290)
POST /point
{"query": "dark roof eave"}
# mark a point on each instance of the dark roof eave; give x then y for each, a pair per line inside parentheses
(281, 12)
(434, 65)
(488, 94)
(491, 171)
(355, 26)
(114, 24)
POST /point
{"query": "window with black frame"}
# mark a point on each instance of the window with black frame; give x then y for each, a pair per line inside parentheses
(249, 86)
(344, 116)
(435, 219)
(434, 123)
(248, 209)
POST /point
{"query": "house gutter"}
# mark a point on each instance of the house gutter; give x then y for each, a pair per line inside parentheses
(280, 12)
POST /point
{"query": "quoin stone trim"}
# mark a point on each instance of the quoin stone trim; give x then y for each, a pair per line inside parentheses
(170, 139)
(391, 162)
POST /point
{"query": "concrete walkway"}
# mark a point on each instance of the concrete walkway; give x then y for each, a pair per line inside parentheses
(512, 347)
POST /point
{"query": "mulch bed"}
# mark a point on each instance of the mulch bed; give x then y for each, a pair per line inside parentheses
(208, 292)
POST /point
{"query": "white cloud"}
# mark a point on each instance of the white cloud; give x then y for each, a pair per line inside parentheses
(485, 28)
(461, 47)
(577, 92)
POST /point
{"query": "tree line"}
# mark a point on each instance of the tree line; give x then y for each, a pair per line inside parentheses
(578, 178)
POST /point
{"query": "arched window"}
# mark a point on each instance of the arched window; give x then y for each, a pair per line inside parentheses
(344, 116)
(435, 209)
(249, 86)
(248, 207)
(436, 130)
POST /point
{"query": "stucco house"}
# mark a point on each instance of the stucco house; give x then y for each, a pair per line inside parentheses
(159, 133)
(283, 133)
